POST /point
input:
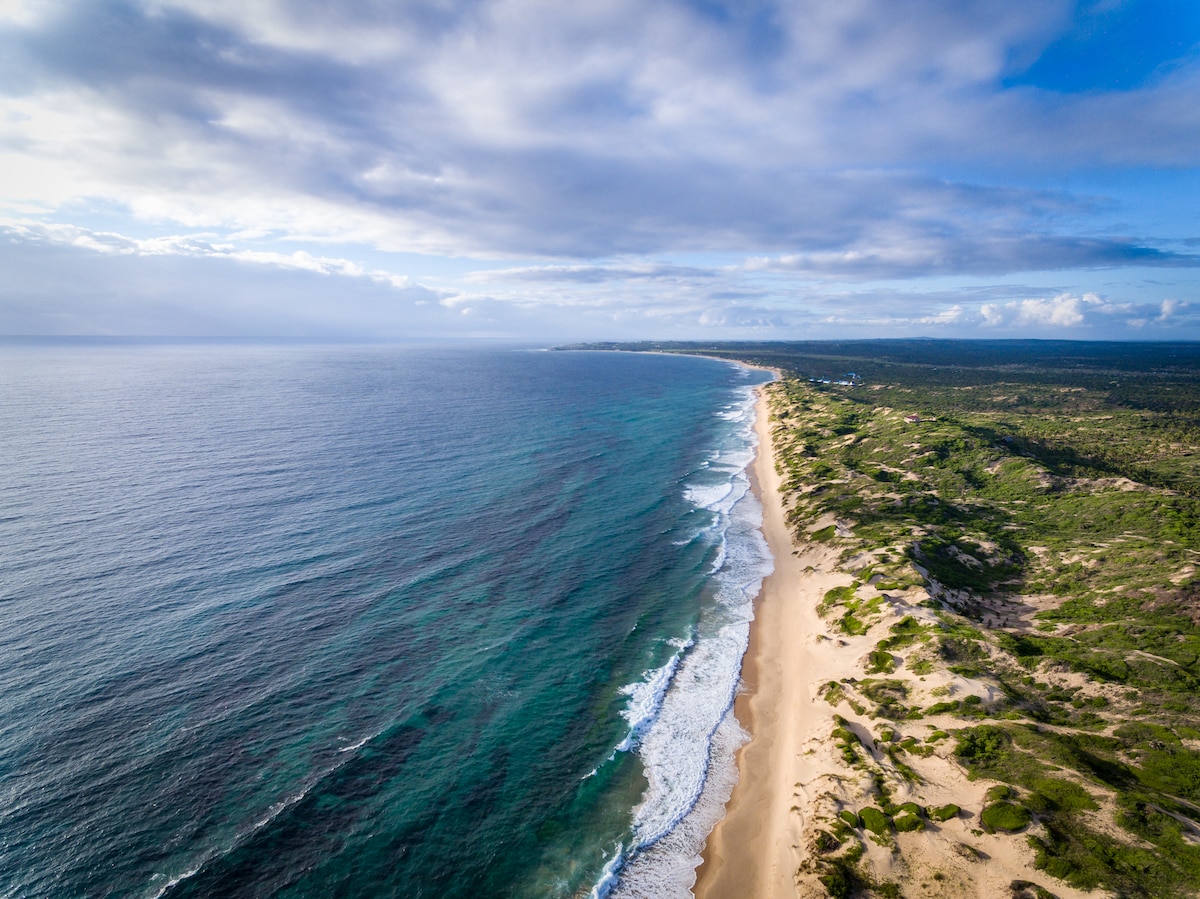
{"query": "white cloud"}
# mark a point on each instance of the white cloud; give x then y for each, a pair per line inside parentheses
(629, 297)
(578, 148)
(947, 317)
(1070, 312)
(531, 127)
(993, 314)
(195, 246)
(21, 12)
(630, 270)
(1062, 311)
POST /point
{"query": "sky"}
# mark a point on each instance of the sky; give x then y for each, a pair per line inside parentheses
(600, 169)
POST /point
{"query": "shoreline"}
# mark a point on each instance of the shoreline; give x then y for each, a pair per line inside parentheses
(754, 849)
(794, 778)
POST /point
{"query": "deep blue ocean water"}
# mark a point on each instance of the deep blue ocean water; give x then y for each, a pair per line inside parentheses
(284, 620)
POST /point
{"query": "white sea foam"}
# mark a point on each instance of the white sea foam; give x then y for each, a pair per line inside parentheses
(719, 561)
(686, 731)
(354, 747)
(646, 696)
(645, 700)
(708, 496)
(668, 868)
(608, 875)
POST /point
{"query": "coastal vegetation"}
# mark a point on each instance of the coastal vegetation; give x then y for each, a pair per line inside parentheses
(1050, 510)
(1019, 523)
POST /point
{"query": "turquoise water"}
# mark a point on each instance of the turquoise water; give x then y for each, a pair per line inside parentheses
(367, 621)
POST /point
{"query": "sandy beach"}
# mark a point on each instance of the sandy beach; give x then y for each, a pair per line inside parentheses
(756, 849)
(793, 779)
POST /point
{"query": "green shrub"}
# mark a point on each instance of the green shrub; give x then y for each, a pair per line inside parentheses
(840, 876)
(1172, 770)
(943, 812)
(905, 632)
(1022, 647)
(888, 694)
(837, 596)
(987, 751)
(874, 820)
(1053, 794)
(836, 884)
(1004, 817)
(1025, 889)
(850, 818)
(908, 823)
(851, 626)
(824, 841)
(847, 740)
(1000, 792)
(881, 663)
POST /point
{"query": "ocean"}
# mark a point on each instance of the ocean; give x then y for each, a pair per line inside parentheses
(418, 621)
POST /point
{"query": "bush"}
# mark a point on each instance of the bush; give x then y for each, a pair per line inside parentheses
(908, 823)
(846, 740)
(944, 812)
(1022, 647)
(1005, 818)
(851, 626)
(825, 841)
(980, 745)
(881, 663)
(1024, 889)
(850, 818)
(889, 695)
(838, 595)
(1053, 794)
(987, 751)
(874, 820)
(1000, 792)
(838, 881)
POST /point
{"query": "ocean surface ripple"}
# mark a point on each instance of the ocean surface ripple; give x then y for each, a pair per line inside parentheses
(295, 620)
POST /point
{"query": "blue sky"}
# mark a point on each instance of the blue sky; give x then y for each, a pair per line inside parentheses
(600, 170)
